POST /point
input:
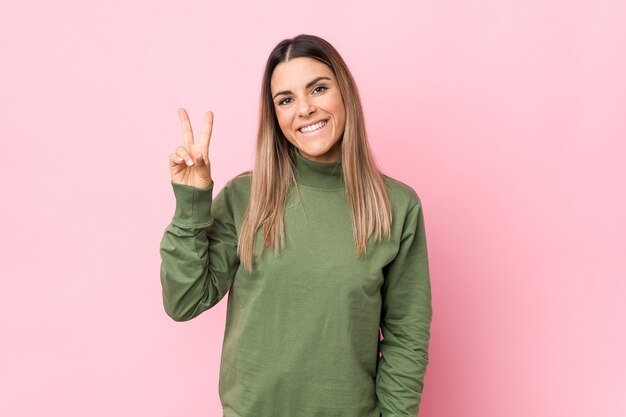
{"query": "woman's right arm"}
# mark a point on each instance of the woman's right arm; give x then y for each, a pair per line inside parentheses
(199, 247)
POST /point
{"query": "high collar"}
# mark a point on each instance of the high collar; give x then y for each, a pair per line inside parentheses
(318, 175)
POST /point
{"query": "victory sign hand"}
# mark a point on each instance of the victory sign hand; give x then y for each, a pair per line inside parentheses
(189, 165)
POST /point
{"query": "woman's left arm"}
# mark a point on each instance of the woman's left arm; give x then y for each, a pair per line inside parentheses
(405, 322)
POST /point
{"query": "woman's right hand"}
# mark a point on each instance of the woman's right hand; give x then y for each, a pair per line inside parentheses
(189, 165)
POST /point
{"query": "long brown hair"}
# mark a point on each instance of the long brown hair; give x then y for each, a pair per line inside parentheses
(274, 173)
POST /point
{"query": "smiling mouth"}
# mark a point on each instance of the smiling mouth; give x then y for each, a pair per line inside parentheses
(314, 127)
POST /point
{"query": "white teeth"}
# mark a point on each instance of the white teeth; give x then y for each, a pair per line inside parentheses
(314, 127)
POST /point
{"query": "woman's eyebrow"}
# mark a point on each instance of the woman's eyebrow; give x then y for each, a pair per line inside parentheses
(308, 85)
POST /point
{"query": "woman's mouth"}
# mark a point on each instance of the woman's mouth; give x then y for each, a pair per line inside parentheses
(312, 129)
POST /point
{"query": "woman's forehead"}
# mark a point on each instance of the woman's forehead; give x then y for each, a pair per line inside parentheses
(298, 71)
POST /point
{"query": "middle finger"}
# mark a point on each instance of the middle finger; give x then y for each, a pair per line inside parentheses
(186, 126)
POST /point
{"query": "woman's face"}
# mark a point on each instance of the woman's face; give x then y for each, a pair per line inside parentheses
(306, 96)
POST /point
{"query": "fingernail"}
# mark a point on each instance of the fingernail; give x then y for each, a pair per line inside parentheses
(189, 162)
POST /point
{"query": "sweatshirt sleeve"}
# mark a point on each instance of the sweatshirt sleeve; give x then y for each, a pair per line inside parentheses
(405, 323)
(198, 252)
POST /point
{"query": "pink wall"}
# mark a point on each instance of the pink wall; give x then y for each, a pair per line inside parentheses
(507, 116)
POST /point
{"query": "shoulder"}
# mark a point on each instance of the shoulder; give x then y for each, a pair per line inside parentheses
(240, 182)
(401, 195)
(237, 189)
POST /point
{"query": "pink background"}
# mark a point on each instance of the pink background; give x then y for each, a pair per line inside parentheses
(507, 116)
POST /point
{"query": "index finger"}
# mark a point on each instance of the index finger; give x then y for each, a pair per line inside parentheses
(186, 126)
(205, 136)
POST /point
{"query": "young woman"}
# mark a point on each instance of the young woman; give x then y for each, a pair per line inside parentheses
(320, 251)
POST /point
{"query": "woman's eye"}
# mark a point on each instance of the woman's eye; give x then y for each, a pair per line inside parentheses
(320, 88)
(283, 101)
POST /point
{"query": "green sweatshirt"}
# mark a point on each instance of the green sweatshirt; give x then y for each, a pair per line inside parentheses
(302, 335)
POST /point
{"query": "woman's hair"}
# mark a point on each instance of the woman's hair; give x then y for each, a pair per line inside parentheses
(274, 170)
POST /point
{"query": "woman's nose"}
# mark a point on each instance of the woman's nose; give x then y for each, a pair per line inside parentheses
(305, 108)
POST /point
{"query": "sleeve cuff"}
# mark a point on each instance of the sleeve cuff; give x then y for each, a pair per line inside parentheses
(193, 205)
